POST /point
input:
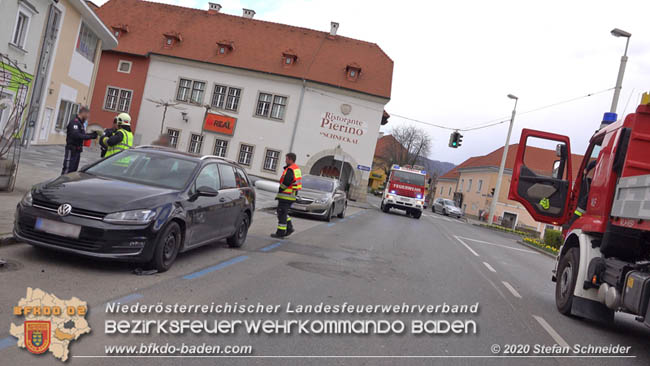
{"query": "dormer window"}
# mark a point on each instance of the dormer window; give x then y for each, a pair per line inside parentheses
(289, 57)
(171, 38)
(352, 71)
(224, 47)
(119, 29)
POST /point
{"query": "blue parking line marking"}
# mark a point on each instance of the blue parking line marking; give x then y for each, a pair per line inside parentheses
(272, 246)
(216, 267)
(331, 224)
(126, 299)
(8, 342)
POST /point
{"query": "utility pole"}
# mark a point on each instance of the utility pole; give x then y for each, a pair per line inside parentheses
(495, 196)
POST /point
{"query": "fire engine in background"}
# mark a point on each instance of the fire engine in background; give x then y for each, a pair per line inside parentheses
(405, 190)
(603, 265)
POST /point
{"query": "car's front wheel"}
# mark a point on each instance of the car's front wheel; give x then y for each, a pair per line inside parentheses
(342, 213)
(329, 214)
(167, 247)
(239, 237)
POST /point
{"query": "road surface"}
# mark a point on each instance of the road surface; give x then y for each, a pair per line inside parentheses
(367, 258)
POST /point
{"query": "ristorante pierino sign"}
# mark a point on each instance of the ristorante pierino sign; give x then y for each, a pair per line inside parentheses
(341, 128)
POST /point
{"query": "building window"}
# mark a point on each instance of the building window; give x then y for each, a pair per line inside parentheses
(271, 160)
(219, 96)
(264, 104)
(20, 31)
(190, 91)
(269, 105)
(173, 137)
(449, 194)
(124, 66)
(462, 183)
(469, 185)
(196, 141)
(225, 97)
(220, 148)
(245, 154)
(279, 105)
(118, 100)
(232, 103)
(480, 186)
(87, 43)
(67, 111)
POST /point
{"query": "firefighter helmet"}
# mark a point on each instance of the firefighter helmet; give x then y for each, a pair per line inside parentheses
(123, 119)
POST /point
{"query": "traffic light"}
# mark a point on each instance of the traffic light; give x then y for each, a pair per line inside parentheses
(455, 139)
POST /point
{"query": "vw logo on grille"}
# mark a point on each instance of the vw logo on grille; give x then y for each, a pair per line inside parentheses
(64, 209)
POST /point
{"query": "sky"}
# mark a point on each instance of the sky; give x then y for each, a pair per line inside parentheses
(455, 62)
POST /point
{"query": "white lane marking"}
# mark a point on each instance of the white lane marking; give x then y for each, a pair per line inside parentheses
(490, 267)
(499, 245)
(558, 339)
(512, 289)
(466, 246)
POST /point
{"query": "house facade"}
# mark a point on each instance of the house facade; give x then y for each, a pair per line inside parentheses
(244, 89)
(21, 30)
(72, 45)
(471, 184)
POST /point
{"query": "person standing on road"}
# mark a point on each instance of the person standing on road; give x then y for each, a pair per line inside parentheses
(122, 139)
(107, 133)
(290, 184)
(75, 136)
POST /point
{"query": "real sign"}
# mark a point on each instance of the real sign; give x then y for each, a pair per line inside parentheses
(220, 124)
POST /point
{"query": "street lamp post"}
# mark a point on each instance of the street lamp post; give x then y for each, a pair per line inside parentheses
(621, 70)
(495, 196)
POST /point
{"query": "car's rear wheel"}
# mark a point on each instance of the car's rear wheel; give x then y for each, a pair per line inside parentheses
(167, 247)
(239, 237)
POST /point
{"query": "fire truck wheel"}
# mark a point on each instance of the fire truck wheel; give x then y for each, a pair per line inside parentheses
(384, 207)
(416, 214)
(566, 280)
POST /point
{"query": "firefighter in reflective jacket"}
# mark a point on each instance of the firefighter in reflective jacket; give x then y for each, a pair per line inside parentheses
(122, 139)
(290, 184)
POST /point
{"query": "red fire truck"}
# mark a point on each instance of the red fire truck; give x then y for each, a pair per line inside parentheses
(405, 190)
(603, 265)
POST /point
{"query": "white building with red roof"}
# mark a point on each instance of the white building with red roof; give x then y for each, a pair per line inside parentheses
(245, 89)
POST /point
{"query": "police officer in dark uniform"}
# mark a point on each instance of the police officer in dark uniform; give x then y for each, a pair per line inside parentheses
(75, 136)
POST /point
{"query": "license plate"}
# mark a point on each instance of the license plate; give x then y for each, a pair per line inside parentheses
(299, 208)
(57, 228)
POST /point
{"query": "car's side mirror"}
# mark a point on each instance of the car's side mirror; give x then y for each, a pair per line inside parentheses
(206, 191)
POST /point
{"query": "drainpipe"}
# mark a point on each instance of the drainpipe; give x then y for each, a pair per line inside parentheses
(295, 125)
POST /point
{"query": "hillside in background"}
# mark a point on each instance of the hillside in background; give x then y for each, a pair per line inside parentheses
(437, 167)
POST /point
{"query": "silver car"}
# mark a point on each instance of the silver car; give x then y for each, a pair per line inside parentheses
(446, 207)
(322, 197)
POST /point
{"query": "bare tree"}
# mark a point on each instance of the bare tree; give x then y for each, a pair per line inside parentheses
(415, 144)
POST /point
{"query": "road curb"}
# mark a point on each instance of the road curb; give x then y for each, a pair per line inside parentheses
(536, 248)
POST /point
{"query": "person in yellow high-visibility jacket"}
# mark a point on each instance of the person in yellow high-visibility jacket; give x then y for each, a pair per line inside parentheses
(290, 184)
(122, 139)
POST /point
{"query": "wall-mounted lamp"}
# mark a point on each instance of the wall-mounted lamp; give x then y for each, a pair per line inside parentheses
(185, 119)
